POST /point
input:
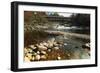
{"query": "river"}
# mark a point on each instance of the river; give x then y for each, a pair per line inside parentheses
(72, 44)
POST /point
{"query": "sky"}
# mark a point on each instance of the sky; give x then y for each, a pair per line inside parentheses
(65, 14)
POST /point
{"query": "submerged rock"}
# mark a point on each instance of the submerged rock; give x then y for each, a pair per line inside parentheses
(65, 44)
(56, 48)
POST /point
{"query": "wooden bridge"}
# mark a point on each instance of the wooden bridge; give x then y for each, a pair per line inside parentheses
(58, 19)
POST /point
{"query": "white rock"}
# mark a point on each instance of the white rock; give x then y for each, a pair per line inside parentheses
(42, 47)
(56, 48)
(65, 44)
(49, 50)
(87, 44)
(37, 57)
(59, 58)
(50, 45)
(33, 58)
(38, 52)
(68, 55)
(25, 50)
(29, 55)
(55, 44)
(43, 57)
(26, 59)
(32, 46)
(43, 52)
(45, 44)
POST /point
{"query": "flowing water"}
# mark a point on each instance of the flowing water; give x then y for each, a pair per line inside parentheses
(72, 45)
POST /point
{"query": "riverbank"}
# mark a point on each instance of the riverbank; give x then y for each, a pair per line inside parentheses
(83, 36)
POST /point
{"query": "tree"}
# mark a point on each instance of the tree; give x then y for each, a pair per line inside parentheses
(81, 20)
(34, 19)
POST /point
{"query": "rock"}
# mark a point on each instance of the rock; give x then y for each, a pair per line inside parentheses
(65, 44)
(29, 55)
(25, 50)
(56, 48)
(58, 58)
(55, 44)
(45, 44)
(49, 50)
(37, 57)
(43, 57)
(68, 55)
(29, 50)
(60, 45)
(26, 59)
(86, 46)
(50, 44)
(32, 46)
(43, 52)
(41, 47)
(33, 58)
(38, 52)
(35, 53)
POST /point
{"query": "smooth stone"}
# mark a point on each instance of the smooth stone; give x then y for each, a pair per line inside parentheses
(25, 50)
(58, 58)
(45, 44)
(37, 57)
(43, 52)
(87, 44)
(68, 55)
(33, 58)
(35, 54)
(55, 44)
(43, 57)
(29, 50)
(49, 50)
(50, 45)
(26, 59)
(32, 46)
(29, 55)
(65, 44)
(56, 48)
(42, 47)
(38, 52)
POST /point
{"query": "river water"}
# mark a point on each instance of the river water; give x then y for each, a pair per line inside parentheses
(73, 45)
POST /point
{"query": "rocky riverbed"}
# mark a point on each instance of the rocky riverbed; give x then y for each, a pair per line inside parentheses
(53, 49)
